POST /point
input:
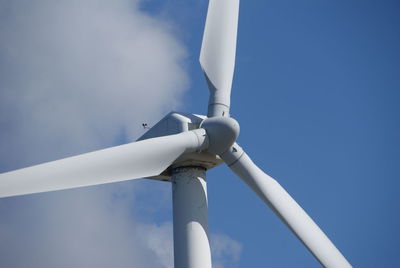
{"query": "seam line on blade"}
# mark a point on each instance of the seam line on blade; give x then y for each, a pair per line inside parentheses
(215, 103)
(234, 162)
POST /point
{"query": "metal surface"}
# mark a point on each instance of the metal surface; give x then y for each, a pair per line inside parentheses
(173, 123)
(222, 132)
(176, 122)
(125, 162)
(190, 209)
(217, 56)
(272, 193)
(176, 148)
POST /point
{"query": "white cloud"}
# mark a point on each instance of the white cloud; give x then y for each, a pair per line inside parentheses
(160, 241)
(88, 227)
(225, 251)
(76, 76)
(94, 227)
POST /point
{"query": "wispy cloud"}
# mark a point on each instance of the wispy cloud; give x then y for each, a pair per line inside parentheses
(77, 76)
(86, 227)
(225, 251)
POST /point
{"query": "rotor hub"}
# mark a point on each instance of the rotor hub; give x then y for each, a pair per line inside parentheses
(222, 133)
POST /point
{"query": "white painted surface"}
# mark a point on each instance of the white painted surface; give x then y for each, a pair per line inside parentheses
(291, 213)
(217, 56)
(190, 207)
(134, 160)
(222, 132)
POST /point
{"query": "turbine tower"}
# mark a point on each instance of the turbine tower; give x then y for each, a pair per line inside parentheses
(180, 149)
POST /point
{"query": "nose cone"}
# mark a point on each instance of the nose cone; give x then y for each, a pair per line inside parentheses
(222, 133)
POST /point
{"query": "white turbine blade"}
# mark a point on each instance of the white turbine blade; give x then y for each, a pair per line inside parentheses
(272, 193)
(134, 160)
(217, 56)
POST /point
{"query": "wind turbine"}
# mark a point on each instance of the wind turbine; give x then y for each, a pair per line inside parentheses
(180, 149)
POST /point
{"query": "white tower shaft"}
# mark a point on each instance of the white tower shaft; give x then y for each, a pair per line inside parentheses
(190, 209)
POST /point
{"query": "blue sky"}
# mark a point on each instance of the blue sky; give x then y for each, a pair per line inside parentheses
(316, 92)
